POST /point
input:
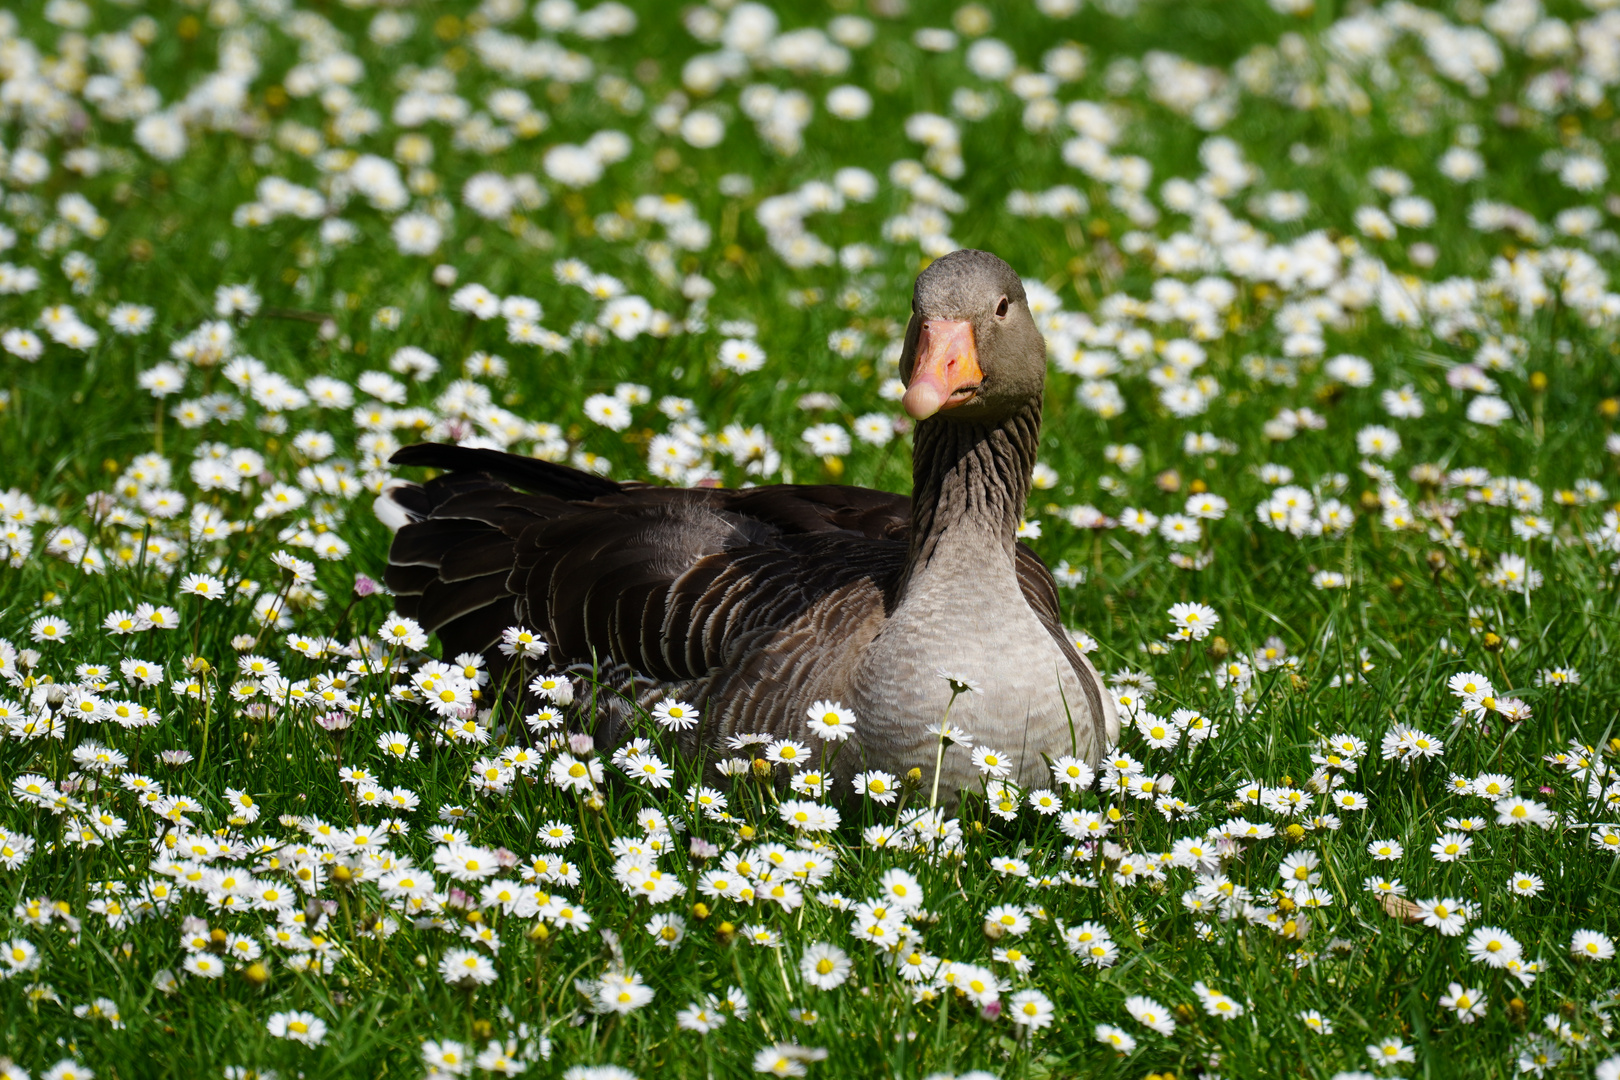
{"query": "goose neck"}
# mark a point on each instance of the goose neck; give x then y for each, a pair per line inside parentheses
(969, 486)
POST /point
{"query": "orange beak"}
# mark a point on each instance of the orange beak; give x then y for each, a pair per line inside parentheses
(946, 371)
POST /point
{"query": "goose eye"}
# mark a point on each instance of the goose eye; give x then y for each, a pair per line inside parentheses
(1001, 309)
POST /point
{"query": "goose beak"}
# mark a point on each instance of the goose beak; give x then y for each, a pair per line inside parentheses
(946, 372)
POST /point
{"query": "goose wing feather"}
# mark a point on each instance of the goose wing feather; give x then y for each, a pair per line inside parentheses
(1040, 592)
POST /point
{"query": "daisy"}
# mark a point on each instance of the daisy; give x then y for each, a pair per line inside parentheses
(65, 1069)
(787, 752)
(516, 641)
(1194, 621)
(1044, 802)
(824, 966)
(303, 1027)
(465, 966)
(1525, 885)
(831, 721)
(1447, 915)
(448, 1056)
(1071, 772)
(674, 715)
(1591, 945)
(1386, 850)
(1146, 1011)
(874, 429)
(398, 745)
(1517, 811)
(649, 770)
(900, 889)
(204, 585)
(1216, 1003)
(555, 834)
(1391, 1051)
(120, 622)
(991, 762)
(1469, 1005)
(1007, 919)
(49, 628)
(1316, 1022)
(553, 688)
(826, 440)
(785, 1059)
(1451, 846)
(1031, 1009)
(1159, 733)
(1016, 958)
(960, 684)
(761, 936)
(741, 356)
(130, 320)
(878, 786)
(701, 1017)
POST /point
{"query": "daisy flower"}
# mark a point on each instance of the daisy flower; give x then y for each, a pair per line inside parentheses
(1525, 885)
(831, 721)
(463, 966)
(1146, 1011)
(824, 966)
(1391, 1051)
(49, 628)
(1194, 621)
(878, 786)
(991, 763)
(960, 684)
(674, 715)
(1445, 915)
(1316, 1022)
(303, 1027)
(204, 585)
(1031, 1009)
(1591, 945)
(1469, 1005)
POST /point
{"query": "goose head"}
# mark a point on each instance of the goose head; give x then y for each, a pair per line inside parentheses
(972, 352)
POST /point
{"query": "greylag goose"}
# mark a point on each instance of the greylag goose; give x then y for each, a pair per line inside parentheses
(755, 603)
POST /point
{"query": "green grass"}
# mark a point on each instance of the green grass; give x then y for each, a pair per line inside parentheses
(1420, 604)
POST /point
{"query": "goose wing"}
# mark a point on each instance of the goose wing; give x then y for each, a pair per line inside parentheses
(1040, 592)
(676, 583)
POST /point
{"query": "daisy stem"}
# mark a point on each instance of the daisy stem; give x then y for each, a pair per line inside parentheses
(781, 966)
(585, 828)
(939, 753)
(208, 715)
(348, 916)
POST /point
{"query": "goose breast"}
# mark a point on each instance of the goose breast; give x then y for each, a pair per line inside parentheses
(1031, 700)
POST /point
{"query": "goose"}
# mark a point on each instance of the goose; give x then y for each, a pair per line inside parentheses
(756, 604)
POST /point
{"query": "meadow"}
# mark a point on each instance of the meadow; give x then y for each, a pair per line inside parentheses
(1328, 479)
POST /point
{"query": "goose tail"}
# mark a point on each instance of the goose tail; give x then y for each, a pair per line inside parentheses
(454, 564)
(399, 504)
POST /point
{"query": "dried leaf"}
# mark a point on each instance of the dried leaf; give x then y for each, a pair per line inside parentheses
(1399, 907)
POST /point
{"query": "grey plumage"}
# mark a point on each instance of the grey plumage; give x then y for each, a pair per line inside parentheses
(755, 603)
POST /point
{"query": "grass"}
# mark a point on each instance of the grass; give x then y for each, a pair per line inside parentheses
(1420, 601)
